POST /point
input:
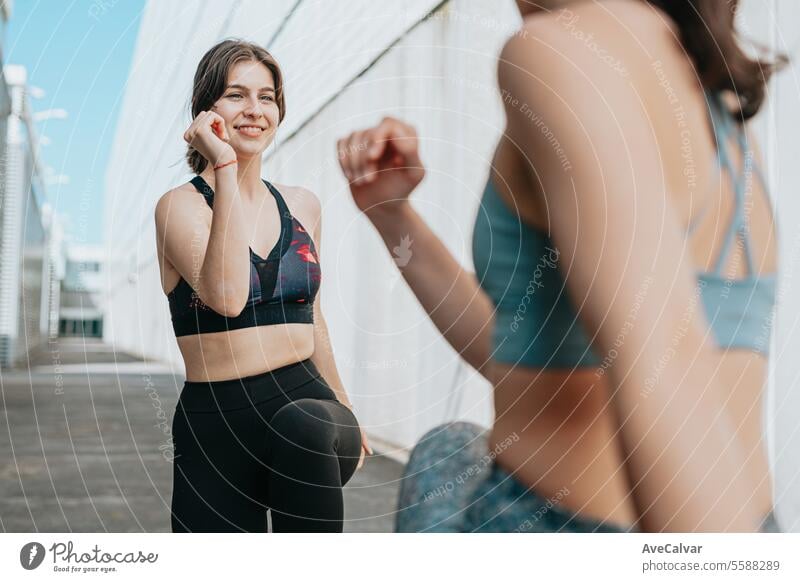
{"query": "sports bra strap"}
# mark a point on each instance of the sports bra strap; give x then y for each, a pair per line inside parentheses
(202, 186)
(282, 207)
(724, 125)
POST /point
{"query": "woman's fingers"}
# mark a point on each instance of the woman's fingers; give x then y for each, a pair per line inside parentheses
(401, 138)
(209, 122)
(187, 135)
(347, 157)
(404, 141)
(356, 148)
(190, 133)
(217, 125)
(216, 128)
(353, 156)
(365, 442)
(362, 153)
(381, 137)
(341, 152)
(368, 161)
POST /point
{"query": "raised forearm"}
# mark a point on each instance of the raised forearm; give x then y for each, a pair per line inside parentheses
(225, 269)
(449, 294)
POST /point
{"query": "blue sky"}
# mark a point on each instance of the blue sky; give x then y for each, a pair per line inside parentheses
(79, 52)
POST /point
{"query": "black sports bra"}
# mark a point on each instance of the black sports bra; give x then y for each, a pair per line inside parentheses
(282, 286)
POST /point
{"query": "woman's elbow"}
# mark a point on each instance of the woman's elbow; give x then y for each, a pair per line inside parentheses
(229, 303)
(232, 311)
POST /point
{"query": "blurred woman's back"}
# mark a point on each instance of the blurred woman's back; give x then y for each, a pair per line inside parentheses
(562, 413)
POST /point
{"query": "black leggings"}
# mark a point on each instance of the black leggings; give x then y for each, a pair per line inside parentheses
(279, 441)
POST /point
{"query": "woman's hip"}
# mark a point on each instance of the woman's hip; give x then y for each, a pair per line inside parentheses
(291, 382)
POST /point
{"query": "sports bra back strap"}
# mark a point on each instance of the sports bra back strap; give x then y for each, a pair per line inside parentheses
(719, 127)
(724, 125)
(749, 166)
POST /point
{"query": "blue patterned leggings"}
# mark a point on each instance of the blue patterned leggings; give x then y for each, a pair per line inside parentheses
(451, 484)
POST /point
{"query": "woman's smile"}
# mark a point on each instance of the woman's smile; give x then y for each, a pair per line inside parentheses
(250, 130)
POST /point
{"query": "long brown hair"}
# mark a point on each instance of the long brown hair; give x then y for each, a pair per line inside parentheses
(708, 34)
(211, 77)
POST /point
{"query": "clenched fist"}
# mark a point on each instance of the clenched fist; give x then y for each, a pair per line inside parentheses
(208, 135)
(382, 164)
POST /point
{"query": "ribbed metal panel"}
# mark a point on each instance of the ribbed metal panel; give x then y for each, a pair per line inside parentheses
(23, 239)
(10, 243)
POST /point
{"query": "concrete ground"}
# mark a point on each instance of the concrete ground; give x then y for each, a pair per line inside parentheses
(86, 447)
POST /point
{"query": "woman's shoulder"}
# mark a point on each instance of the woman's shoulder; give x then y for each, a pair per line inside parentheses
(180, 197)
(300, 199)
(185, 190)
(625, 35)
(609, 15)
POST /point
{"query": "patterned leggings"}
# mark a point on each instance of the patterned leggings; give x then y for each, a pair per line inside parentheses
(451, 484)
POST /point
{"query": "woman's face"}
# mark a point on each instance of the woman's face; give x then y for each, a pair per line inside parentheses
(249, 108)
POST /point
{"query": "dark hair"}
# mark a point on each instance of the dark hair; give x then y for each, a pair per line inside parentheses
(211, 77)
(708, 34)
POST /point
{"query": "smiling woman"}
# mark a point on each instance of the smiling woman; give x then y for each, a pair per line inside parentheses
(210, 82)
(263, 422)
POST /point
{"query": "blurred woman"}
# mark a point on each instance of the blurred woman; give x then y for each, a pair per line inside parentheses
(263, 421)
(624, 280)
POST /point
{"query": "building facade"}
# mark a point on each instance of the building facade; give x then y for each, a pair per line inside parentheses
(82, 292)
(28, 274)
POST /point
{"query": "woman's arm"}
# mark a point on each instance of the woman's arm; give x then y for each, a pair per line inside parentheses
(323, 350)
(213, 259)
(322, 357)
(449, 294)
(383, 166)
(612, 220)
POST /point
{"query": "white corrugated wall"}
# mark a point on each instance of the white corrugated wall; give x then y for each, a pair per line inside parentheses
(777, 23)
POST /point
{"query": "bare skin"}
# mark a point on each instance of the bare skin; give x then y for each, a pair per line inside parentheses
(675, 464)
(210, 250)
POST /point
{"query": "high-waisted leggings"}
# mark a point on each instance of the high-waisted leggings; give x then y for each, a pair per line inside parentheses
(277, 441)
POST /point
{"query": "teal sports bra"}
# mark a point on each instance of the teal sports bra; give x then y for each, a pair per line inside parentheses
(536, 324)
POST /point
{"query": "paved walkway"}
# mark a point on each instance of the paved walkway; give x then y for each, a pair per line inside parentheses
(86, 447)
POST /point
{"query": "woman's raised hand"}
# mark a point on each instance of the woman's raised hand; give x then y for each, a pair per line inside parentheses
(382, 164)
(207, 134)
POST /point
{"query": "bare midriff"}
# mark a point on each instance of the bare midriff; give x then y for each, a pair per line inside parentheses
(245, 352)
